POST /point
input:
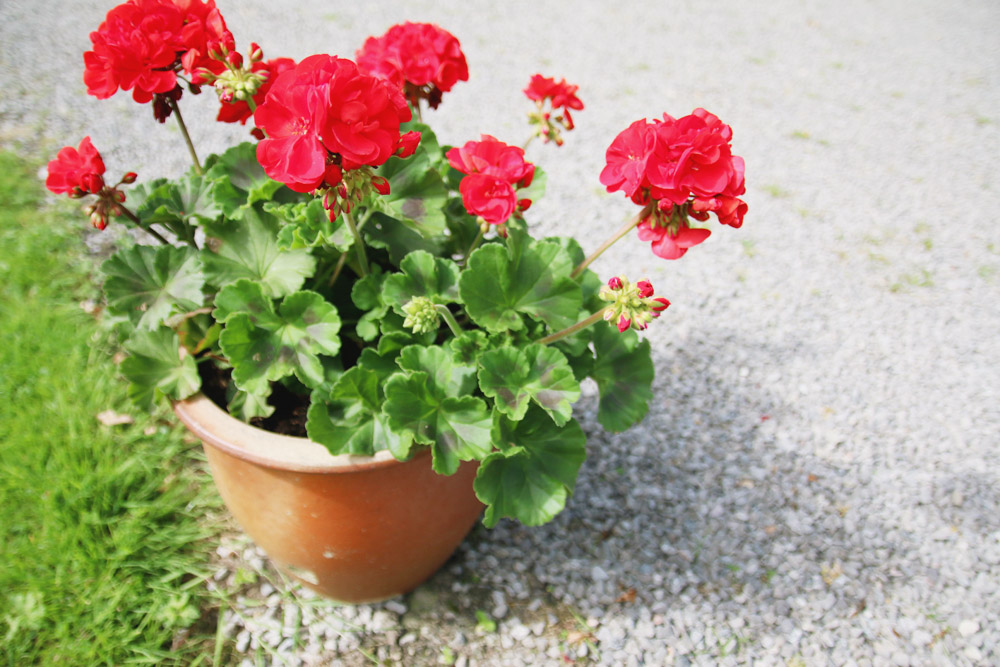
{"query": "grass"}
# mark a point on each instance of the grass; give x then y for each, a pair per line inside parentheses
(101, 528)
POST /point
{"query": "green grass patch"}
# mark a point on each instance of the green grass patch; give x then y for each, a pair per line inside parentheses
(101, 527)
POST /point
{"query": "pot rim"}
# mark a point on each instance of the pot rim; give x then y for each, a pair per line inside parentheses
(216, 427)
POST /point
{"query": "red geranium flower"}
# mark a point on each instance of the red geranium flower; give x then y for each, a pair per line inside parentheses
(142, 43)
(494, 172)
(239, 111)
(76, 168)
(421, 59)
(323, 116)
(678, 168)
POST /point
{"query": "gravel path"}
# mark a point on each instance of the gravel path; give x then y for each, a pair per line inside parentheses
(817, 481)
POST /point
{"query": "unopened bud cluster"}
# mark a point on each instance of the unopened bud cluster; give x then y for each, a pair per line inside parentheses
(346, 188)
(238, 82)
(632, 306)
(421, 315)
(550, 127)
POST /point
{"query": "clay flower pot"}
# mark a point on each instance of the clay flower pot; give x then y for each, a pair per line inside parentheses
(352, 528)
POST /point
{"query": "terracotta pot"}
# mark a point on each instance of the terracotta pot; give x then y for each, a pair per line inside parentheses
(352, 528)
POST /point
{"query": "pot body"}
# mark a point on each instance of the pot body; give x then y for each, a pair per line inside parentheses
(352, 528)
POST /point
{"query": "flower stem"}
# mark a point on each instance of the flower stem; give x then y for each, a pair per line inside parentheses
(187, 137)
(528, 142)
(138, 223)
(475, 244)
(568, 331)
(626, 228)
(359, 245)
(449, 319)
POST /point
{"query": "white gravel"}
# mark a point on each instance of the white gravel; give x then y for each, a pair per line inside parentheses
(817, 482)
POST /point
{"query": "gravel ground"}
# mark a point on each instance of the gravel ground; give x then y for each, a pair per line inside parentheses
(817, 481)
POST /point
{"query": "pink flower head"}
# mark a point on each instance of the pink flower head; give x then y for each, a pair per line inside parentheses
(645, 288)
(494, 171)
(142, 44)
(325, 112)
(624, 324)
(421, 59)
(678, 168)
(76, 168)
(561, 94)
(239, 111)
(615, 283)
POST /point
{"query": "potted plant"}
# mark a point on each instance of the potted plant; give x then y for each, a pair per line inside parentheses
(355, 319)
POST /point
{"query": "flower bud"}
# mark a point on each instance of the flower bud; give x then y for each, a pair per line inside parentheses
(77, 193)
(615, 282)
(98, 221)
(235, 59)
(130, 177)
(93, 183)
(256, 53)
(380, 184)
(421, 315)
(119, 196)
(645, 288)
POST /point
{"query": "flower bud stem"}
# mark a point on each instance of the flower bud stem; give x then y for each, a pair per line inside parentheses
(626, 228)
(475, 244)
(187, 137)
(359, 245)
(568, 331)
(138, 223)
(449, 319)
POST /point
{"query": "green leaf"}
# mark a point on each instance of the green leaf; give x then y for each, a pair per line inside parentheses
(457, 429)
(466, 348)
(248, 248)
(149, 284)
(265, 345)
(244, 296)
(513, 376)
(536, 190)
(247, 406)
(525, 277)
(447, 377)
(155, 367)
(351, 421)
(422, 275)
(535, 470)
(238, 181)
(462, 227)
(624, 373)
(383, 231)
(182, 200)
(307, 225)
(416, 192)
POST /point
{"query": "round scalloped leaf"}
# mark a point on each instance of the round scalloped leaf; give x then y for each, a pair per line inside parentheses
(238, 180)
(624, 373)
(515, 376)
(422, 274)
(150, 284)
(156, 367)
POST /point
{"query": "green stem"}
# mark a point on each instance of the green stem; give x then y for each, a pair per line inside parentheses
(138, 223)
(626, 228)
(475, 244)
(528, 142)
(337, 270)
(568, 331)
(449, 319)
(359, 245)
(187, 137)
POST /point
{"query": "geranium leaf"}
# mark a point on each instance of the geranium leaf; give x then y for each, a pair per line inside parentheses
(384, 231)
(185, 199)
(624, 373)
(155, 367)
(416, 192)
(246, 406)
(457, 429)
(462, 227)
(244, 296)
(531, 476)
(524, 277)
(366, 293)
(238, 180)
(307, 225)
(536, 190)
(466, 348)
(447, 377)
(513, 376)
(422, 274)
(269, 345)
(150, 284)
(248, 248)
(350, 420)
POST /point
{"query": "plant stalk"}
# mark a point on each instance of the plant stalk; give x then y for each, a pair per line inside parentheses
(569, 331)
(475, 244)
(138, 223)
(626, 228)
(187, 137)
(359, 245)
(449, 319)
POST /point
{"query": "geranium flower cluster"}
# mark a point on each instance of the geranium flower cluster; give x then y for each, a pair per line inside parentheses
(632, 306)
(423, 60)
(676, 169)
(79, 172)
(494, 172)
(560, 95)
(324, 117)
(142, 45)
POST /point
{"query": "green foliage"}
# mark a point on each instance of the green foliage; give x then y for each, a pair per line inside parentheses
(624, 374)
(249, 249)
(238, 181)
(156, 367)
(422, 274)
(148, 284)
(308, 225)
(513, 376)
